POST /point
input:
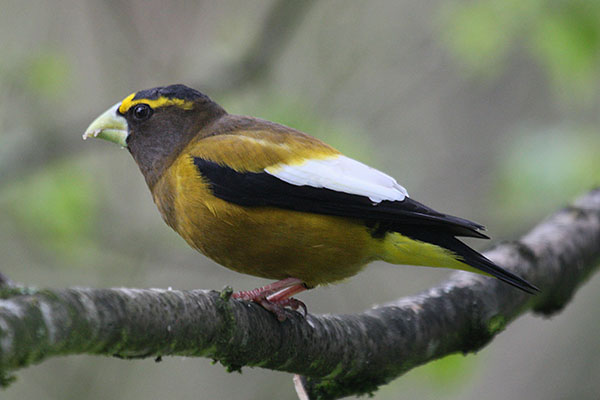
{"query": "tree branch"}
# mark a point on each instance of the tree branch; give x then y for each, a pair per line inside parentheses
(337, 355)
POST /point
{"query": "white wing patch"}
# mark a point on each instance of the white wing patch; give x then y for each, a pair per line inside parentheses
(341, 174)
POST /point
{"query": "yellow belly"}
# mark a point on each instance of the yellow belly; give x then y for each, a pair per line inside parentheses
(276, 243)
(263, 241)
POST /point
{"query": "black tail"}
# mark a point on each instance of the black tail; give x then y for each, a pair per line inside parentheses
(430, 226)
(479, 261)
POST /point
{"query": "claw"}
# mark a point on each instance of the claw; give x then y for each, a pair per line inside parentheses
(275, 308)
(294, 304)
(276, 297)
(280, 307)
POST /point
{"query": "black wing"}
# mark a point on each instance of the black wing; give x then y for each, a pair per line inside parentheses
(252, 189)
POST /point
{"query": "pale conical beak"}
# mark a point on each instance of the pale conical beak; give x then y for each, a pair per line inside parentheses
(109, 126)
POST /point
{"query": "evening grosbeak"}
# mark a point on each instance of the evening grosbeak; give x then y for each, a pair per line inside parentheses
(270, 201)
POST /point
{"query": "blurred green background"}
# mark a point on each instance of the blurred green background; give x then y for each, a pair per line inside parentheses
(488, 110)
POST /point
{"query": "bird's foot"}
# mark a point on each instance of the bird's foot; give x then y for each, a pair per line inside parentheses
(268, 290)
(280, 308)
(256, 295)
(276, 297)
(293, 304)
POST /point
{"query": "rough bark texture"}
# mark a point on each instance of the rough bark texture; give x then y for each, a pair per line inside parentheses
(336, 355)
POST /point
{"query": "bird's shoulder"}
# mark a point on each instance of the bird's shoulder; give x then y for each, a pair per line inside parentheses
(248, 144)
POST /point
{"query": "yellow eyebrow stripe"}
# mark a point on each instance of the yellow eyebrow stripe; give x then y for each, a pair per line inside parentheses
(162, 101)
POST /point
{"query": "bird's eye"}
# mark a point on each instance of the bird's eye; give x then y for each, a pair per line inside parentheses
(142, 112)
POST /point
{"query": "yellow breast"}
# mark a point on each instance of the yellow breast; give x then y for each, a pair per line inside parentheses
(262, 241)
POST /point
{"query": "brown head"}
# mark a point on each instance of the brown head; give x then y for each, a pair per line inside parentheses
(156, 124)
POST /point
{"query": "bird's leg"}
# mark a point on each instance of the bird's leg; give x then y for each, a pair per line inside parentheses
(277, 302)
(263, 292)
(284, 298)
(276, 296)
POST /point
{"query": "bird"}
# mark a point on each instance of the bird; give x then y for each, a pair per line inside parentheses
(267, 200)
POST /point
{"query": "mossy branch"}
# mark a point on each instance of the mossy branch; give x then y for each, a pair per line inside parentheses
(334, 355)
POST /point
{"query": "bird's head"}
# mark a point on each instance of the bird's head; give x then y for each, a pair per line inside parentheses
(155, 125)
